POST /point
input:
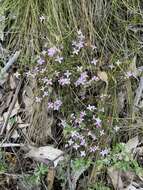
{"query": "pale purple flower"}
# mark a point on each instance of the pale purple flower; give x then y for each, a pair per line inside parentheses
(79, 45)
(82, 79)
(98, 121)
(50, 105)
(59, 59)
(93, 148)
(47, 81)
(40, 61)
(82, 114)
(64, 81)
(57, 104)
(82, 153)
(84, 75)
(81, 137)
(45, 94)
(74, 134)
(129, 74)
(52, 51)
(94, 78)
(94, 61)
(82, 143)
(104, 152)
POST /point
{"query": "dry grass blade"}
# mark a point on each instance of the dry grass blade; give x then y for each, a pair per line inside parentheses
(11, 107)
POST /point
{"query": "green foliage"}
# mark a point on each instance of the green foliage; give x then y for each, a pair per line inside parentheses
(98, 186)
(3, 167)
(80, 163)
(120, 159)
(39, 172)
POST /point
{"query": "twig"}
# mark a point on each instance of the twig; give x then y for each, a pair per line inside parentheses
(9, 63)
(138, 92)
(11, 107)
(15, 176)
(5, 145)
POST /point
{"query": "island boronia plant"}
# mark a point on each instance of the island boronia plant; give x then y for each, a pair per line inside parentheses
(79, 72)
(69, 83)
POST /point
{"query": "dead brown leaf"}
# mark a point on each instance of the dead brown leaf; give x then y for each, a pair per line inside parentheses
(51, 177)
(45, 154)
(103, 76)
(115, 177)
(132, 144)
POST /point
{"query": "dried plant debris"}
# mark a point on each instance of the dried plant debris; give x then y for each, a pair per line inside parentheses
(46, 154)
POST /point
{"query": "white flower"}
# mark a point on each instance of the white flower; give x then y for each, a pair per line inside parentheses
(118, 63)
(94, 61)
(102, 133)
(67, 74)
(42, 18)
(44, 52)
(38, 100)
(111, 66)
(116, 128)
(93, 47)
(75, 51)
(79, 68)
(82, 153)
(76, 146)
(91, 108)
(70, 142)
(59, 59)
(17, 75)
(63, 123)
